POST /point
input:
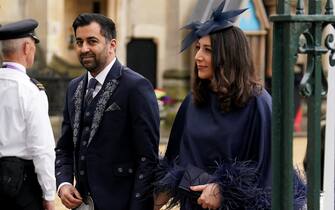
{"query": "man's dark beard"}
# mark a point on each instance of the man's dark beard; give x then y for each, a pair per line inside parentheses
(92, 65)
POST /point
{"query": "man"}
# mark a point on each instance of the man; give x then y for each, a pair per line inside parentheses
(110, 130)
(27, 180)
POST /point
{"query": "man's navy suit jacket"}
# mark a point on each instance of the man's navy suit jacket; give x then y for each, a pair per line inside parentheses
(122, 149)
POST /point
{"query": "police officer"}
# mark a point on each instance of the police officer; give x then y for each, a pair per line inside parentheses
(27, 156)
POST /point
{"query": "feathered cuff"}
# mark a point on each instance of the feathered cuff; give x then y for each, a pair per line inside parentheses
(167, 179)
(238, 182)
(239, 186)
(300, 190)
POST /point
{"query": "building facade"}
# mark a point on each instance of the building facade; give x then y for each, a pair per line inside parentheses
(148, 36)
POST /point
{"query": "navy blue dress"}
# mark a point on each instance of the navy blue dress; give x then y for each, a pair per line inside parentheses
(209, 138)
(232, 148)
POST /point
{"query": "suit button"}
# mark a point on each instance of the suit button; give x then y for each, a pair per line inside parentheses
(120, 170)
(84, 143)
(82, 157)
(130, 170)
(137, 195)
(141, 176)
(87, 114)
(81, 173)
(59, 173)
(143, 159)
(87, 129)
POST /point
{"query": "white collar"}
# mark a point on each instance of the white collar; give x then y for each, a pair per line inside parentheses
(15, 66)
(103, 74)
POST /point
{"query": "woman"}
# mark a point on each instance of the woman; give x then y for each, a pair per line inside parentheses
(219, 151)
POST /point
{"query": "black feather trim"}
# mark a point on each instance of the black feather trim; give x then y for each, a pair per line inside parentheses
(239, 186)
(167, 180)
(300, 190)
(238, 183)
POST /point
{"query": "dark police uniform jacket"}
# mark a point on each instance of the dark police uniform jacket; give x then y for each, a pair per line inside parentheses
(115, 141)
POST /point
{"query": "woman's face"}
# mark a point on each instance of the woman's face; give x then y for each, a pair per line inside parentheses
(203, 58)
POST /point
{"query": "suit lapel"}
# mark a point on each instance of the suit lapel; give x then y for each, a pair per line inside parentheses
(108, 88)
(78, 105)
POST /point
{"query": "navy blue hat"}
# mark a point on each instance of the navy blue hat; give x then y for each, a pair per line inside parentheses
(19, 29)
(219, 20)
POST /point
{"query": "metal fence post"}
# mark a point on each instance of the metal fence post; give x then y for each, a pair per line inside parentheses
(287, 30)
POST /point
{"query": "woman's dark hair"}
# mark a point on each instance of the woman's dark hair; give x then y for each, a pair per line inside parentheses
(234, 79)
(107, 25)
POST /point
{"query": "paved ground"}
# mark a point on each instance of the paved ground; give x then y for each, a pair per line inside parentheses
(299, 147)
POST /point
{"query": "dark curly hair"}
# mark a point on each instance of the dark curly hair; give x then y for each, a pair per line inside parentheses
(234, 80)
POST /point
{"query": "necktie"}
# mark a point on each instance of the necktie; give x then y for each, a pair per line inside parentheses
(89, 94)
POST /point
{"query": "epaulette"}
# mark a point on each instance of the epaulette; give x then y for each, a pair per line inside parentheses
(37, 83)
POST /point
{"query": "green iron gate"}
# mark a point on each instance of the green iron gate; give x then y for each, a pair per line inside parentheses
(287, 30)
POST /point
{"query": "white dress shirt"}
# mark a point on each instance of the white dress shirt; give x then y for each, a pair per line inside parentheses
(25, 129)
(100, 77)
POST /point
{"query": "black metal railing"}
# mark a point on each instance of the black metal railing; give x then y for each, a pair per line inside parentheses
(287, 30)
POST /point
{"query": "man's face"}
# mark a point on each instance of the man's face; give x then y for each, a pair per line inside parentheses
(93, 50)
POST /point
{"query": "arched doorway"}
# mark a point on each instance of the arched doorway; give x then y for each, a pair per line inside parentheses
(142, 58)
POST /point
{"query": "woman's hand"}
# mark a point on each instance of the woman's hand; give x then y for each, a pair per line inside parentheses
(210, 197)
(160, 200)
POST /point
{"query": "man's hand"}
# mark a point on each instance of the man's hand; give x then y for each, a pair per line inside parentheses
(70, 196)
(210, 197)
(48, 205)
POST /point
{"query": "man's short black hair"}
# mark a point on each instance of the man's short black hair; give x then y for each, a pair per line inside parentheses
(107, 25)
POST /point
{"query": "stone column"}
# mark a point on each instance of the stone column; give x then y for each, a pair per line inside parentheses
(121, 21)
(173, 60)
(11, 10)
(112, 9)
(271, 9)
(38, 10)
(57, 42)
(177, 67)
